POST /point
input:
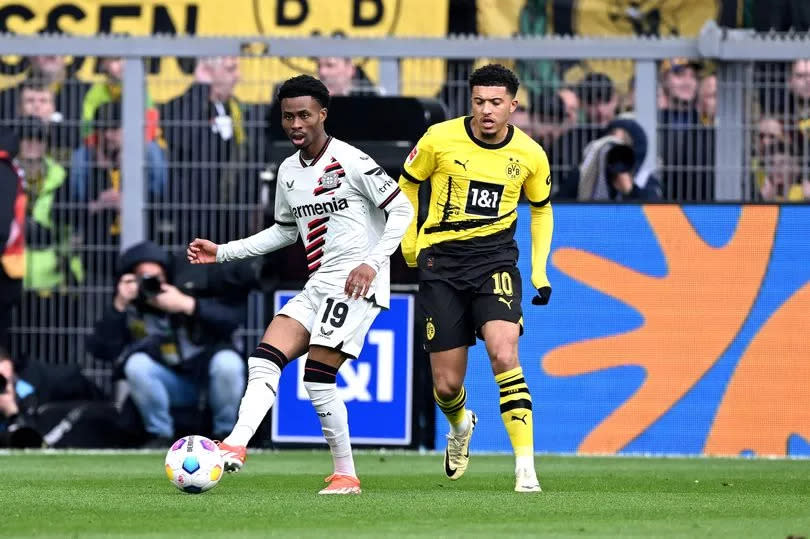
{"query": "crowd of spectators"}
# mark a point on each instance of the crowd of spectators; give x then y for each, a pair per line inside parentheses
(60, 162)
(580, 140)
(205, 155)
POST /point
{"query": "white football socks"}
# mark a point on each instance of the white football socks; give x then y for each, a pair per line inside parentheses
(260, 394)
(334, 418)
(524, 462)
(463, 427)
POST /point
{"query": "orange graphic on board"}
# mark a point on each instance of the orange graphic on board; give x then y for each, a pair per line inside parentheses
(690, 315)
(768, 399)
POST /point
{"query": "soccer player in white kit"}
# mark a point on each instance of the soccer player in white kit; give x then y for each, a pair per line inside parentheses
(352, 217)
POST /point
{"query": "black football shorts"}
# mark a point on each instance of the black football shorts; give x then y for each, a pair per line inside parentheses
(453, 317)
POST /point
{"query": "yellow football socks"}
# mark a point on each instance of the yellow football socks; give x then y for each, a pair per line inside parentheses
(516, 411)
(455, 410)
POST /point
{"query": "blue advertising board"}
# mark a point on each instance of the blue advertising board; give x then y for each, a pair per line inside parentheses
(671, 330)
(376, 387)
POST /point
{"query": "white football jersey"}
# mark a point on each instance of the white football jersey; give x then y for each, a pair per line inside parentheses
(337, 201)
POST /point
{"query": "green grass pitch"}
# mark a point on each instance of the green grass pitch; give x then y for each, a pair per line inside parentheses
(405, 495)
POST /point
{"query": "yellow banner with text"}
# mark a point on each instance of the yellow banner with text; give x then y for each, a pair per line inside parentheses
(168, 77)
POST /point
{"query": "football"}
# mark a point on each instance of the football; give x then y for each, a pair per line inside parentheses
(193, 464)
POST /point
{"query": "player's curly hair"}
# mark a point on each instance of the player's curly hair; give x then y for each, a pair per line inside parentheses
(495, 75)
(305, 85)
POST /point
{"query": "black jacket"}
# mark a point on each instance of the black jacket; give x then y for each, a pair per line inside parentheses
(37, 386)
(10, 145)
(207, 167)
(686, 147)
(10, 289)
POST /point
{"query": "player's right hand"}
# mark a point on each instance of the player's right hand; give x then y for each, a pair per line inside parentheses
(202, 251)
(542, 297)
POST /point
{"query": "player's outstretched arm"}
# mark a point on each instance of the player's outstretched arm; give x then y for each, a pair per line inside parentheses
(268, 240)
(202, 251)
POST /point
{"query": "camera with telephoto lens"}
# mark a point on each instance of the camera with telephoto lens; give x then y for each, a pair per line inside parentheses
(620, 158)
(148, 287)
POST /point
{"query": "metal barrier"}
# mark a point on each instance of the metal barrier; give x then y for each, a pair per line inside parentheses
(173, 160)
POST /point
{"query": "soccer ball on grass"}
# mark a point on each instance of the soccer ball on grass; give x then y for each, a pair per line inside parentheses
(193, 464)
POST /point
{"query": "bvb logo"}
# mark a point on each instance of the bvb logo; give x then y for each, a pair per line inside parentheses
(512, 170)
(360, 18)
(430, 329)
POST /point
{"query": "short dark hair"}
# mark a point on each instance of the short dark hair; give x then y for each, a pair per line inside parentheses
(304, 85)
(596, 88)
(548, 106)
(495, 75)
(36, 84)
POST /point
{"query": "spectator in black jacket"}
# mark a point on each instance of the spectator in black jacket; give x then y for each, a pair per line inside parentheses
(685, 143)
(17, 414)
(213, 164)
(54, 76)
(599, 100)
(46, 405)
(172, 345)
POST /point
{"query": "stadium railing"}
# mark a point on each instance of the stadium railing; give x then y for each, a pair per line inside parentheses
(755, 78)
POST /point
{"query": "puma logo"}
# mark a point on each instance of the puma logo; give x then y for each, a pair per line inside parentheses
(508, 302)
(516, 418)
(462, 165)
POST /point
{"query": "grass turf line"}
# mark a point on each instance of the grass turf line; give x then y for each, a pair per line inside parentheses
(61, 495)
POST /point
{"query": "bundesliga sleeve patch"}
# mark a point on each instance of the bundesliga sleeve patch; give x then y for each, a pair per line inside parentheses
(412, 155)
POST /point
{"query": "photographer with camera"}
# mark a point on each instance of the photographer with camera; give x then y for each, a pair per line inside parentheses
(45, 405)
(611, 167)
(172, 346)
(16, 408)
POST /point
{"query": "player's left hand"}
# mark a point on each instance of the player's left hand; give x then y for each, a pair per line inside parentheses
(359, 281)
(543, 295)
(171, 300)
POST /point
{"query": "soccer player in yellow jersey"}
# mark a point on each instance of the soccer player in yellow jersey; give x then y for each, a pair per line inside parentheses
(469, 283)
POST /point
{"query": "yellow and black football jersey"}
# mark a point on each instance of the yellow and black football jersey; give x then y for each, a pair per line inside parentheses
(475, 189)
